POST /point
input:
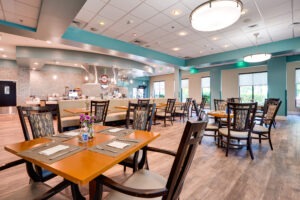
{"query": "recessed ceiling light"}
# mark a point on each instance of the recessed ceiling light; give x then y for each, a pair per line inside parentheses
(35, 63)
(176, 49)
(1, 49)
(75, 64)
(176, 12)
(49, 42)
(182, 33)
(214, 38)
(200, 52)
(54, 77)
(101, 23)
(134, 34)
(4, 56)
(56, 62)
(226, 46)
(33, 68)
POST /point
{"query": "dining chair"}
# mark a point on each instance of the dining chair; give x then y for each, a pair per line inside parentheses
(167, 113)
(199, 107)
(240, 128)
(234, 100)
(185, 109)
(143, 101)
(211, 127)
(148, 184)
(260, 114)
(41, 124)
(263, 131)
(220, 105)
(35, 189)
(142, 120)
(99, 111)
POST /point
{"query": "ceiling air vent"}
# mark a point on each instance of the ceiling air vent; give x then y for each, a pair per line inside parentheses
(79, 23)
(139, 42)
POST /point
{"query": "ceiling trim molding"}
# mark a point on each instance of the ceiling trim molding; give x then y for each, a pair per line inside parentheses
(106, 43)
(276, 48)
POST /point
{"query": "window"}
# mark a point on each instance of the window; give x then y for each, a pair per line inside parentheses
(205, 86)
(159, 89)
(298, 88)
(184, 89)
(254, 86)
(134, 93)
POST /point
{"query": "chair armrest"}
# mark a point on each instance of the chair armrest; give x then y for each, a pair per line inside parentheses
(11, 164)
(172, 153)
(146, 193)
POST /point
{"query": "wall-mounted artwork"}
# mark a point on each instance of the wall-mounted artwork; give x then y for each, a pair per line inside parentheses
(6, 90)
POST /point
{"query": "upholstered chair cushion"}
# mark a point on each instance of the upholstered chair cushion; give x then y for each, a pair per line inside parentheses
(142, 179)
(41, 124)
(236, 134)
(162, 114)
(258, 128)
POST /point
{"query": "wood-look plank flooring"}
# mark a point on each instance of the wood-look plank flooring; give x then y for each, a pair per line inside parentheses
(271, 175)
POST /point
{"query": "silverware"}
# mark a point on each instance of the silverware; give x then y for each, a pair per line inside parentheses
(101, 148)
(127, 140)
(40, 147)
(63, 153)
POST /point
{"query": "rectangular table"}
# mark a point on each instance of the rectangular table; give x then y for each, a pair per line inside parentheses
(81, 168)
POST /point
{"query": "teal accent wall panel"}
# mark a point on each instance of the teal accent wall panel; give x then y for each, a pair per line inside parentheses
(277, 81)
(215, 85)
(101, 41)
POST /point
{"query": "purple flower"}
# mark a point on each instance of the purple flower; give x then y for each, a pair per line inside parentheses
(87, 118)
(82, 118)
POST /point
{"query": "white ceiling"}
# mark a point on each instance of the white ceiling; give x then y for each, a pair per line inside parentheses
(152, 22)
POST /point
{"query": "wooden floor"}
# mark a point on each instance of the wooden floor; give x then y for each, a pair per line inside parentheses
(271, 175)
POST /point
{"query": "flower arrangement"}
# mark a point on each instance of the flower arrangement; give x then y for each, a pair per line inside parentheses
(87, 124)
(86, 120)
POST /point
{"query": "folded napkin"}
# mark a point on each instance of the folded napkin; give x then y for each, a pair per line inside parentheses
(53, 150)
(119, 145)
(71, 133)
(115, 130)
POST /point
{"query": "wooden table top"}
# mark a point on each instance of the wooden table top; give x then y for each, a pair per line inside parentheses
(122, 107)
(84, 166)
(219, 114)
(76, 110)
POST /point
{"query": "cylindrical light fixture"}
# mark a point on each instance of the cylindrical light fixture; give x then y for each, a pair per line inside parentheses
(216, 14)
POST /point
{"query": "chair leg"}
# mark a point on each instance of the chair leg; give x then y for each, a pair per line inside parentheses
(259, 139)
(124, 169)
(227, 147)
(270, 142)
(250, 148)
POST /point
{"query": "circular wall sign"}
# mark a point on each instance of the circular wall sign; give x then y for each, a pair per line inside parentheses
(104, 79)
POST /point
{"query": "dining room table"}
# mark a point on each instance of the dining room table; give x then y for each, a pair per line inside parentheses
(81, 162)
(77, 110)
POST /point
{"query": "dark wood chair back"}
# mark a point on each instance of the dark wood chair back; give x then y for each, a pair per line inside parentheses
(220, 104)
(272, 109)
(24, 113)
(243, 116)
(99, 110)
(187, 104)
(187, 148)
(234, 100)
(203, 103)
(143, 101)
(41, 124)
(142, 115)
(170, 106)
(195, 107)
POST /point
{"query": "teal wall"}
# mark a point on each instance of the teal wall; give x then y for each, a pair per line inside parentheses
(215, 85)
(277, 81)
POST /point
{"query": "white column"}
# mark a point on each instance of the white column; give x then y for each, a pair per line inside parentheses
(177, 87)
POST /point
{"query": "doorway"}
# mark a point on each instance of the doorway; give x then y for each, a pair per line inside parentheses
(8, 97)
